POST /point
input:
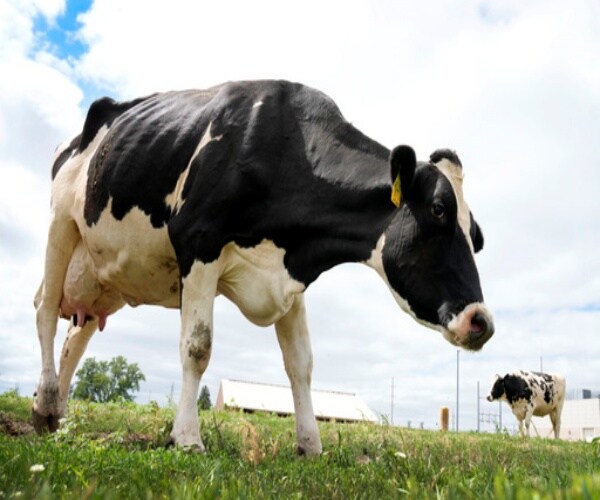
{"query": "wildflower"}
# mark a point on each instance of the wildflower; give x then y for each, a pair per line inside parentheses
(37, 468)
(400, 454)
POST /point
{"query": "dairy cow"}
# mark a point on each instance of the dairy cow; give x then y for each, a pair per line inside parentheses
(529, 394)
(250, 190)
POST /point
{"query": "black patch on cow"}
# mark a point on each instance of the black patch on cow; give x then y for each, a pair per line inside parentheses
(498, 388)
(546, 384)
(440, 154)
(476, 235)
(517, 388)
(65, 155)
(102, 112)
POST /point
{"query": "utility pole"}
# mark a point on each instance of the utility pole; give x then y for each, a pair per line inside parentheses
(500, 413)
(478, 406)
(392, 404)
(457, 381)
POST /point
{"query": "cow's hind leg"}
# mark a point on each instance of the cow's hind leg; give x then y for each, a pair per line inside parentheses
(294, 340)
(555, 419)
(62, 238)
(72, 351)
(527, 419)
(197, 297)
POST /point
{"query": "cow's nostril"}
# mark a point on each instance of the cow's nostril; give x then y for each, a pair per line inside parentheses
(480, 330)
(479, 325)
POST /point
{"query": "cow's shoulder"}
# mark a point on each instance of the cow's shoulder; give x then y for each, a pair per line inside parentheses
(517, 387)
(103, 112)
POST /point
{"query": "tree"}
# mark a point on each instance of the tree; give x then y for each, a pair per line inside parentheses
(204, 399)
(104, 381)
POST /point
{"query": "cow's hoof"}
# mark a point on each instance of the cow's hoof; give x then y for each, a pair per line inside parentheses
(191, 448)
(195, 449)
(44, 423)
(308, 453)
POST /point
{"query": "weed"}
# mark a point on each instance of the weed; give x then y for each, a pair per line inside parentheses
(115, 451)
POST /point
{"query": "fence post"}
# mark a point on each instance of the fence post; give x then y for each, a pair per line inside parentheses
(444, 418)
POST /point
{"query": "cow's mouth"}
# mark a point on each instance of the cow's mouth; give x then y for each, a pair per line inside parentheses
(471, 328)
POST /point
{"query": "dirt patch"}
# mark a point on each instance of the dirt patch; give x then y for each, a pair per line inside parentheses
(13, 427)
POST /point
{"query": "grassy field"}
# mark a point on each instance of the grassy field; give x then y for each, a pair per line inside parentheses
(116, 451)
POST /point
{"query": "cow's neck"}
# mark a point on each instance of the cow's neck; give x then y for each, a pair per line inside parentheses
(350, 204)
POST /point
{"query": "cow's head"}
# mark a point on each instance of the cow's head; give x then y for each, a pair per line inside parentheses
(498, 390)
(429, 246)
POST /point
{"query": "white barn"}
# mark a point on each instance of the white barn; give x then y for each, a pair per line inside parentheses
(580, 420)
(328, 405)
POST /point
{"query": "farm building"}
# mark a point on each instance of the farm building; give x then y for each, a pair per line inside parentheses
(328, 405)
(580, 417)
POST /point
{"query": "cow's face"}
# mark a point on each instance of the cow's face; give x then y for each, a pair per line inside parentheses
(429, 246)
(498, 390)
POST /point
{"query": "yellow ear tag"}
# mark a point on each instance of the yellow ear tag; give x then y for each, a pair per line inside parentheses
(396, 193)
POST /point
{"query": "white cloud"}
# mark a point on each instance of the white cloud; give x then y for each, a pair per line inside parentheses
(513, 86)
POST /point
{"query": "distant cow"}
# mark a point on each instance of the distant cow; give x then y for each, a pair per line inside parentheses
(250, 190)
(531, 393)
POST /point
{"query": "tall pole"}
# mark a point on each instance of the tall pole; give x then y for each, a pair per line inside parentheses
(457, 380)
(478, 406)
(392, 404)
(500, 413)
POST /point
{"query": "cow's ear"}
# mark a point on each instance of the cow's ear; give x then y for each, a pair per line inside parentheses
(476, 235)
(403, 163)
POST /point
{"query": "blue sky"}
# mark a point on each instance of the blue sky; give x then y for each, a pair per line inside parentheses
(514, 87)
(61, 31)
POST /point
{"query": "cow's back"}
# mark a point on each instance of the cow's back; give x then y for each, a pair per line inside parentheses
(548, 391)
(160, 182)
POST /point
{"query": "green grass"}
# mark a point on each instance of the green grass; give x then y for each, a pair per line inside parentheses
(116, 451)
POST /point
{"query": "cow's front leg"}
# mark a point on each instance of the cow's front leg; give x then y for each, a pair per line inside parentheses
(527, 419)
(195, 345)
(294, 340)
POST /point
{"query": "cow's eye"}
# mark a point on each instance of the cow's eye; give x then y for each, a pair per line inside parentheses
(438, 210)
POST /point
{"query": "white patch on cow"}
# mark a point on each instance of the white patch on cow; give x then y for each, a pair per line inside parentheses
(257, 281)
(174, 200)
(455, 176)
(257, 104)
(133, 257)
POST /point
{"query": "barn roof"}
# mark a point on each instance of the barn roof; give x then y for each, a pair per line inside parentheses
(256, 396)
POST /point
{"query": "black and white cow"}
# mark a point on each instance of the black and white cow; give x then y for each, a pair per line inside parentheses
(250, 190)
(529, 394)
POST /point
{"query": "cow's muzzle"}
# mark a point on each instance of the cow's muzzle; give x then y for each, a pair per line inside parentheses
(471, 328)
